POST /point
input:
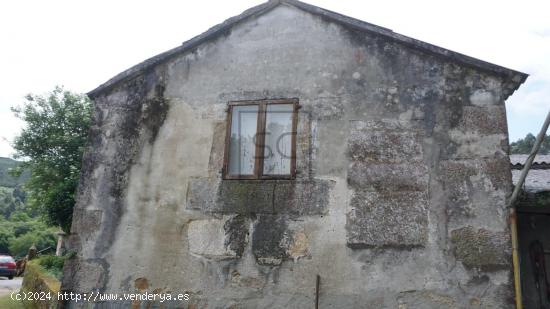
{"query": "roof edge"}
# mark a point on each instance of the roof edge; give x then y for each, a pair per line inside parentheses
(513, 78)
(185, 46)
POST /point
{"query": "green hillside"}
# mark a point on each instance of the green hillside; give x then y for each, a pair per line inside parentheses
(7, 180)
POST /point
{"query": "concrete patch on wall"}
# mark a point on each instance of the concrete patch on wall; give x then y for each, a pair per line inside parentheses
(331, 142)
(482, 292)
(237, 279)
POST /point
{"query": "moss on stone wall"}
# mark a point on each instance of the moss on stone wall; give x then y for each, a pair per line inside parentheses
(37, 279)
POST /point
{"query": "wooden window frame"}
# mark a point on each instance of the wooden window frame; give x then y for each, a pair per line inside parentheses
(260, 139)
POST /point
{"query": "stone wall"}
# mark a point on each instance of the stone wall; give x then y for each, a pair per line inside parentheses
(399, 200)
(42, 286)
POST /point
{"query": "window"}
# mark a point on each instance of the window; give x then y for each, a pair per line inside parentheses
(261, 140)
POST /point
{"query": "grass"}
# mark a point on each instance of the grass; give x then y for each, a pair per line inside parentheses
(7, 303)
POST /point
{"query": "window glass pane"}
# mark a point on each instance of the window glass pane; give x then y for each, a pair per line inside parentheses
(242, 147)
(278, 139)
(6, 259)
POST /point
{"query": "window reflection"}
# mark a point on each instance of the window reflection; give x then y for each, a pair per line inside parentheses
(278, 139)
(242, 148)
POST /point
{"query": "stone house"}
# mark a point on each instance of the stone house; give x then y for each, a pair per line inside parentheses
(292, 144)
(533, 217)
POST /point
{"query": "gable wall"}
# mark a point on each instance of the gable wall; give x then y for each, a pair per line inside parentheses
(399, 199)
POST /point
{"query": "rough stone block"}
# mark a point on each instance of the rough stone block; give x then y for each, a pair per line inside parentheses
(243, 197)
(217, 238)
(327, 108)
(495, 169)
(474, 189)
(388, 219)
(236, 234)
(465, 145)
(215, 162)
(498, 171)
(374, 143)
(297, 245)
(388, 177)
(428, 300)
(231, 196)
(87, 221)
(460, 204)
(485, 120)
(268, 239)
(259, 197)
(86, 275)
(201, 194)
(302, 198)
(304, 146)
(480, 248)
(483, 98)
(456, 171)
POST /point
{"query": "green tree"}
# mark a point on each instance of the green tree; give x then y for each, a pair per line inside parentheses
(10, 201)
(19, 233)
(52, 143)
(524, 145)
(42, 238)
(6, 235)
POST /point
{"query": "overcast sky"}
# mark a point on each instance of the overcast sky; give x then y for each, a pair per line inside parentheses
(81, 44)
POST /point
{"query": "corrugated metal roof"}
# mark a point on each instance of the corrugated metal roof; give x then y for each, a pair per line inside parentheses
(536, 180)
(521, 158)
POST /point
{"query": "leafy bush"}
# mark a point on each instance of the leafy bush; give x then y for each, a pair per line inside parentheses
(52, 264)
